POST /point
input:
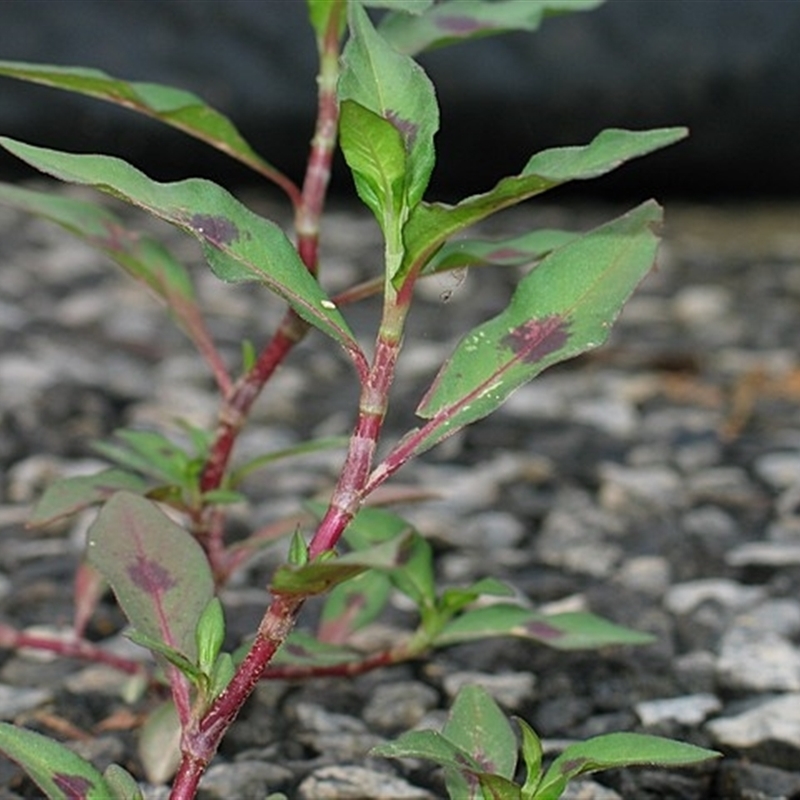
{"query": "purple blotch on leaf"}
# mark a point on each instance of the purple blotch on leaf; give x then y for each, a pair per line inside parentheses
(150, 576)
(217, 230)
(542, 631)
(537, 338)
(408, 129)
(75, 787)
(461, 25)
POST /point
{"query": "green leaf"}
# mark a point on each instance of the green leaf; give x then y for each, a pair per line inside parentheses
(298, 550)
(453, 21)
(454, 599)
(175, 107)
(562, 308)
(353, 604)
(210, 635)
(514, 252)
(302, 649)
(320, 14)
(170, 654)
(70, 495)
(121, 783)
(141, 256)
(157, 570)
(322, 574)
(532, 756)
(430, 745)
(432, 224)
(309, 446)
(373, 149)
(222, 673)
(568, 631)
(615, 750)
(238, 244)
(495, 787)
(394, 87)
(56, 770)
(159, 744)
(150, 453)
(406, 6)
(478, 726)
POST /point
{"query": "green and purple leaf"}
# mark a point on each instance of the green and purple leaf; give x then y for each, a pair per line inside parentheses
(615, 750)
(175, 107)
(157, 570)
(238, 244)
(432, 224)
(568, 631)
(70, 495)
(478, 726)
(560, 309)
(395, 88)
(141, 256)
(455, 21)
(430, 745)
(55, 769)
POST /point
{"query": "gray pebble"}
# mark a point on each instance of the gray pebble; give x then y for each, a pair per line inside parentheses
(769, 731)
(510, 689)
(752, 660)
(779, 470)
(690, 709)
(399, 706)
(244, 780)
(357, 783)
(684, 598)
(15, 700)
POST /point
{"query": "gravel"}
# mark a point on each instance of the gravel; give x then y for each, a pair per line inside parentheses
(655, 482)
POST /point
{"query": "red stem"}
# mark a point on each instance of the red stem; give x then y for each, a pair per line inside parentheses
(71, 648)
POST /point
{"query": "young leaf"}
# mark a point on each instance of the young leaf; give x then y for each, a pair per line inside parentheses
(432, 224)
(169, 654)
(309, 446)
(210, 635)
(174, 107)
(568, 631)
(453, 21)
(56, 770)
(121, 784)
(238, 244)
(373, 149)
(478, 726)
(532, 756)
(395, 88)
(160, 743)
(615, 750)
(562, 308)
(157, 570)
(70, 495)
